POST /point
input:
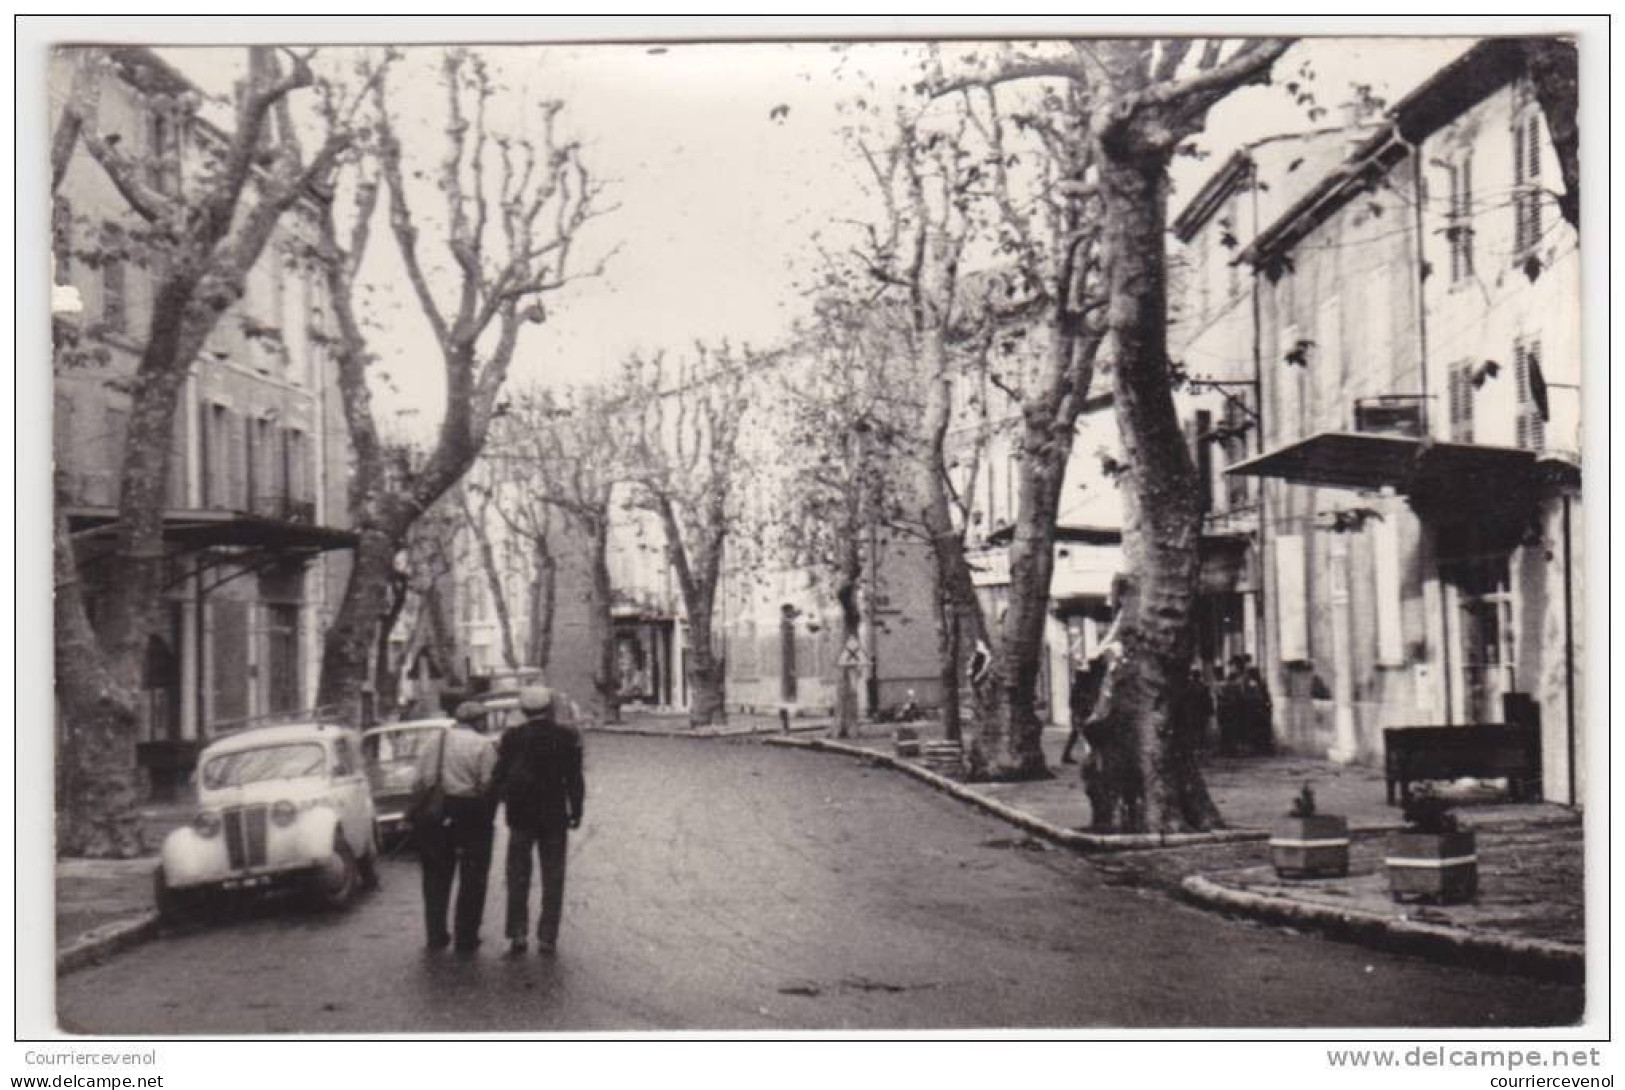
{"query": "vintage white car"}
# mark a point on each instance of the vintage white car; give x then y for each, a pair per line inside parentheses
(278, 805)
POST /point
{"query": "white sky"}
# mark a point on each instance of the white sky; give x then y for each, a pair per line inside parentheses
(718, 199)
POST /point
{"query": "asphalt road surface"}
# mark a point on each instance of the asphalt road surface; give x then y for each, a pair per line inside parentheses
(734, 886)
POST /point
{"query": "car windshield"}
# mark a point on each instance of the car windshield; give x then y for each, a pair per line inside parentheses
(389, 746)
(245, 766)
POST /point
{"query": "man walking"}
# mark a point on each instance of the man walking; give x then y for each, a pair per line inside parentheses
(458, 846)
(539, 779)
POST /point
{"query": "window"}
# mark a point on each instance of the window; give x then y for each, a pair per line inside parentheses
(115, 311)
(282, 656)
(1461, 402)
(1460, 228)
(295, 468)
(163, 161)
(216, 421)
(1526, 191)
(1531, 430)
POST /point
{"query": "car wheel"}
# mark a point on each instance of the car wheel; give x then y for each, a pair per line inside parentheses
(339, 878)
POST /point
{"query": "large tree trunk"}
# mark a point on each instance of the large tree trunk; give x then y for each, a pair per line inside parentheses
(949, 656)
(705, 680)
(385, 670)
(347, 650)
(846, 695)
(1554, 69)
(1012, 739)
(99, 672)
(1142, 774)
(962, 608)
(544, 592)
(493, 580)
(606, 679)
(99, 786)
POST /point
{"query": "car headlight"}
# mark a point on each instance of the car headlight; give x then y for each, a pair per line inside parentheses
(206, 823)
(284, 813)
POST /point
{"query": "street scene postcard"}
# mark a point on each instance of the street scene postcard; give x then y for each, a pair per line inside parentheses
(1069, 534)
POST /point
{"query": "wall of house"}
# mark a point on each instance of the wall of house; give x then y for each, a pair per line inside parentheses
(1338, 323)
(254, 644)
(1366, 634)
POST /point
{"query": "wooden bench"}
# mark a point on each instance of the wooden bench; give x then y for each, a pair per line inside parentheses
(1488, 750)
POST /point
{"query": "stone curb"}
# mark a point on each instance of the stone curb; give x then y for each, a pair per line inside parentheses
(1533, 957)
(109, 938)
(704, 732)
(1071, 838)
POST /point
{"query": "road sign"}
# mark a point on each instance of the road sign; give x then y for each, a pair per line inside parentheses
(852, 653)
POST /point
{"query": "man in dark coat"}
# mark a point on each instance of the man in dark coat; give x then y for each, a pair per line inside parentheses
(539, 780)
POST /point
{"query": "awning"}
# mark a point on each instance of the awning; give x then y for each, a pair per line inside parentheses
(190, 530)
(1371, 462)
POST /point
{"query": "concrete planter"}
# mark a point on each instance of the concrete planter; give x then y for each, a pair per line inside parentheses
(1311, 847)
(906, 741)
(1437, 867)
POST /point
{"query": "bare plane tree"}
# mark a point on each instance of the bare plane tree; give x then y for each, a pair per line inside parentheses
(563, 454)
(688, 468)
(1142, 98)
(512, 211)
(203, 234)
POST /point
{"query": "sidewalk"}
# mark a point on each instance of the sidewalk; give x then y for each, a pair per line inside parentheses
(1529, 913)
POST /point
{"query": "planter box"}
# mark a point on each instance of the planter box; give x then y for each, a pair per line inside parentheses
(1311, 847)
(906, 741)
(1439, 867)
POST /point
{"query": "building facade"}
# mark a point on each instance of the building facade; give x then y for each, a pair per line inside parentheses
(1418, 331)
(257, 497)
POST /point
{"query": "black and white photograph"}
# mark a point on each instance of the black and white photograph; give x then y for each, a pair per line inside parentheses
(1061, 532)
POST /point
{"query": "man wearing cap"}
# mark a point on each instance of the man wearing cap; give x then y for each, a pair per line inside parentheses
(539, 779)
(459, 847)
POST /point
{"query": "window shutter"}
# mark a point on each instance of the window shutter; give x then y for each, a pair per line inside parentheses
(1461, 403)
(1531, 430)
(1390, 621)
(238, 450)
(1532, 165)
(1290, 588)
(1467, 214)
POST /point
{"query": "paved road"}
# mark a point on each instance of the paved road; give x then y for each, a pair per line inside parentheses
(727, 885)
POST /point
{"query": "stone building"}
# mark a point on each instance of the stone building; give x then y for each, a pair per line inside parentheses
(257, 500)
(1417, 323)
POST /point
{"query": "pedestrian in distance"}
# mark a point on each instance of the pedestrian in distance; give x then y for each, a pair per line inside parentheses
(1080, 702)
(454, 844)
(540, 782)
(1258, 709)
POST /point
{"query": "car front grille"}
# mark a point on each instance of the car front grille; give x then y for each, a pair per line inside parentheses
(245, 836)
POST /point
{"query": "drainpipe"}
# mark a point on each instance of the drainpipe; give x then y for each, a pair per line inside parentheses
(1415, 153)
(1568, 650)
(1260, 642)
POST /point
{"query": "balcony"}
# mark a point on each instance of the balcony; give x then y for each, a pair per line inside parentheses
(283, 508)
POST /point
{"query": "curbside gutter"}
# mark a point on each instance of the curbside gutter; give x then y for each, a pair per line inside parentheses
(1532, 957)
(109, 938)
(1070, 838)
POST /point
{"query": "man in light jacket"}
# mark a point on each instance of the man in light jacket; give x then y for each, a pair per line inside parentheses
(463, 762)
